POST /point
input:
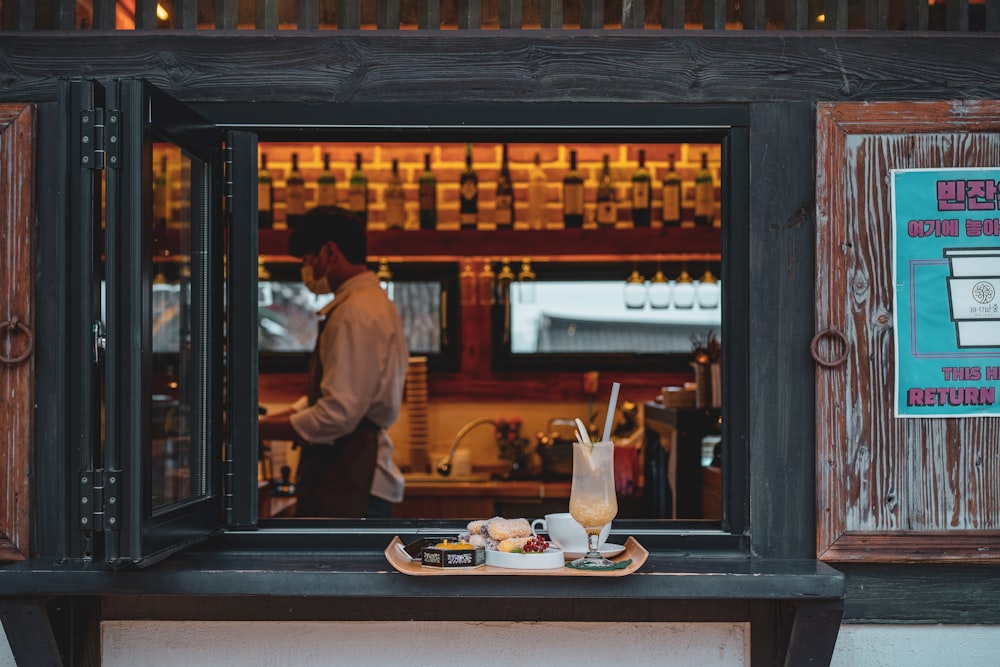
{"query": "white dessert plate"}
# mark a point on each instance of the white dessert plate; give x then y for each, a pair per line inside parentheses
(608, 550)
(549, 559)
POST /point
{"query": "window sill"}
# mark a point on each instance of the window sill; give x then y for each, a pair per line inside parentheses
(794, 606)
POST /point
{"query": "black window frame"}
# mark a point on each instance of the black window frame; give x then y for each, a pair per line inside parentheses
(592, 122)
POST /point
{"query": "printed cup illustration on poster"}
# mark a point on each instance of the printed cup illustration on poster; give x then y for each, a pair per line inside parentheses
(946, 264)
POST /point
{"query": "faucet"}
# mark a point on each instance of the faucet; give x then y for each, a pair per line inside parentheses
(444, 465)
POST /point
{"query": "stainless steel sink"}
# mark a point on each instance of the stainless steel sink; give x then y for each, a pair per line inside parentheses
(434, 478)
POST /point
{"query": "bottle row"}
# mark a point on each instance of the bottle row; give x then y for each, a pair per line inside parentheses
(532, 195)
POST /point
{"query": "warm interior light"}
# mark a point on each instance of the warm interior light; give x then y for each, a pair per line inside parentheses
(821, 18)
(161, 13)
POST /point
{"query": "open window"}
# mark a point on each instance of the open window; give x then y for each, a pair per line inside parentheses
(176, 278)
(148, 183)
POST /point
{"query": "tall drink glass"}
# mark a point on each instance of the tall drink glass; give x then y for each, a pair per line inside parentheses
(592, 500)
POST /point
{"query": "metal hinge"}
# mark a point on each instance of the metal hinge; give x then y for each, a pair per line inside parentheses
(227, 177)
(227, 491)
(100, 131)
(99, 498)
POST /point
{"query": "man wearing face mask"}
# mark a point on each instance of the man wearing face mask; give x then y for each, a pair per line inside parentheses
(356, 377)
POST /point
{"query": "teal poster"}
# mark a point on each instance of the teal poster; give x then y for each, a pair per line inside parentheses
(946, 265)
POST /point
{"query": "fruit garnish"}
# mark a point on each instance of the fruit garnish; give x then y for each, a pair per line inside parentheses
(535, 545)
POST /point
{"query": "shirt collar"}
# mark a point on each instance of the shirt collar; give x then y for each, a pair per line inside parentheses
(347, 288)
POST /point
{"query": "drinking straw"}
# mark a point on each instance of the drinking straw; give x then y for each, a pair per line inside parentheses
(584, 438)
(615, 386)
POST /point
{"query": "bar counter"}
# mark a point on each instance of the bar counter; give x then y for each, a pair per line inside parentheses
(438, 499)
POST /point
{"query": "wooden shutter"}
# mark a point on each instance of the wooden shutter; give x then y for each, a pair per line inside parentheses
(890, 489)
(17, 168)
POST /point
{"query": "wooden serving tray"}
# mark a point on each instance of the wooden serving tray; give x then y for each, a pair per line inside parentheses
(399, 560)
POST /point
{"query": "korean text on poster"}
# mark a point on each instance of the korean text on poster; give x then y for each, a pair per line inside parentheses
(946, 264)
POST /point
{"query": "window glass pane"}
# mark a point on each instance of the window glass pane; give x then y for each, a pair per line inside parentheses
(177, 472)
(604, 317)
(288, 318)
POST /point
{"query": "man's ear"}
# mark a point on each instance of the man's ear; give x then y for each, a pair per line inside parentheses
(333, 251)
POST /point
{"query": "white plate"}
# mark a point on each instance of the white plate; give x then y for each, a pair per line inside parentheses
(551, 558)
(608, 550)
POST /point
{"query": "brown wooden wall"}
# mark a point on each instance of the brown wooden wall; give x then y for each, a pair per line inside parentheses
(888, 488)
(16, 326)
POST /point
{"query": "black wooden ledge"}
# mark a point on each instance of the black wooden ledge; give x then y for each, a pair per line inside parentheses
(785, 601)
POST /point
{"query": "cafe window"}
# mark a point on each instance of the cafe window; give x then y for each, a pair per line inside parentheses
(185, 280)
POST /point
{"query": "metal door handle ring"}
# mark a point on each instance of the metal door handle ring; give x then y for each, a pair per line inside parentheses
(15, 324)
(831, 333)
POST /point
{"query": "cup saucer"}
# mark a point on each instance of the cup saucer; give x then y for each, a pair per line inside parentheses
(608, 550)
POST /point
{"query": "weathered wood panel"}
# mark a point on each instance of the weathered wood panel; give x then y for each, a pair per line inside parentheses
(488, 66)
(891, 489)
(16, 326)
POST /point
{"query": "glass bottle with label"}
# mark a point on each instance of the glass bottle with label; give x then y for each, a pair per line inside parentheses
(265, 195)
(684, 291)
(326, 185)
(468, 207)
(295, 194)
(635, 291)
(427, 195)
(708, 290)
(505, 195)
(467, 285)
(573, 195)
(671, 195)
(357, 196)
(659, 291)
(526, 282)
(537, 195)
(642, 211)
(704, 194)
(607, 208)
(395, 200)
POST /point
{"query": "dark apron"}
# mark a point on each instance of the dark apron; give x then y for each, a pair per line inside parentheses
(335, 480)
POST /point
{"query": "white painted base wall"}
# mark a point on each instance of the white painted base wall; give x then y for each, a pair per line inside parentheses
(501, 644)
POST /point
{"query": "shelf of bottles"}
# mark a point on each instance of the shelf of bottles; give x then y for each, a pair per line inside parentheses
(420, 199)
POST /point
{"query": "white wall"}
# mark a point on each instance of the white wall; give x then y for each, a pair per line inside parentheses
(484, 644)
(917, 646)
(221, 644)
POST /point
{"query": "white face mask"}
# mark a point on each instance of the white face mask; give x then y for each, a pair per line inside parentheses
(321, 286)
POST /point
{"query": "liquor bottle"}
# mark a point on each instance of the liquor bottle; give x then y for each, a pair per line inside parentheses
(684, 291)
(505, 195)
(265, 195)
(642, 211)
(160, 197)
(607, 209)
(357, 194)
(572, 196)
(428, 196)
(468, 208)
(704, 194)
(537, 195)
(295, 194)
(671, 196)
(326, 185)
(635, 291)
(708, 290)
(395, 200)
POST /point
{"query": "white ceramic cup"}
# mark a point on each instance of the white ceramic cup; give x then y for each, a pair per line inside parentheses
(566, 533)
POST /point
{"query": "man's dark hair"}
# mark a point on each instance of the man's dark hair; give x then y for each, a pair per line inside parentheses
(330, 223)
